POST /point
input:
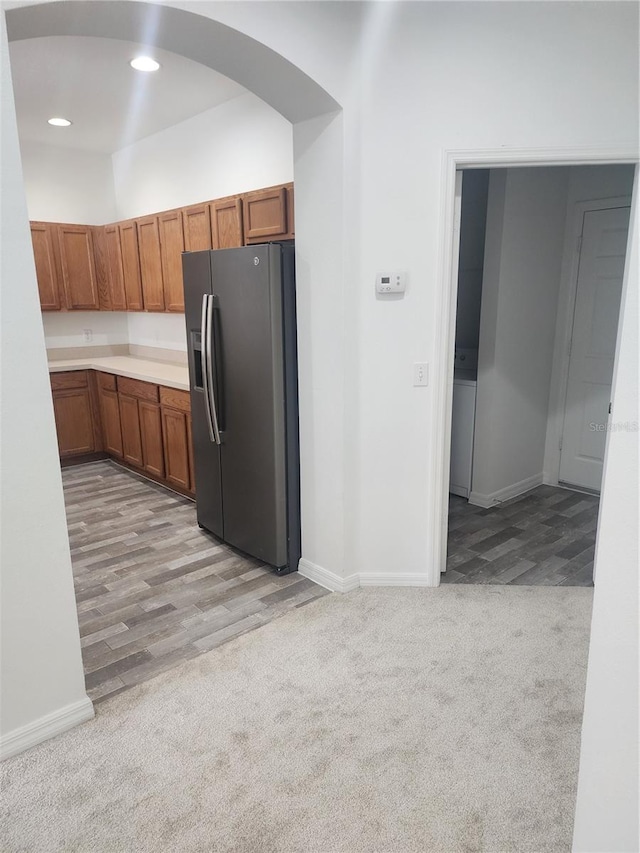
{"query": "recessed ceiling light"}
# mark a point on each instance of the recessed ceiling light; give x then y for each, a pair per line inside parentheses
(144, 63)
(59, 122)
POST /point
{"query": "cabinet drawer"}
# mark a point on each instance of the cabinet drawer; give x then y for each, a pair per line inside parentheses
(175, 398)
(136, 388)
(107, 381)
(64, 381)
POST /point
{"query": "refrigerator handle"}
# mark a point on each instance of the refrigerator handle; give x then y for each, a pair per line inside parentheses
(204, 345)
(209, 380)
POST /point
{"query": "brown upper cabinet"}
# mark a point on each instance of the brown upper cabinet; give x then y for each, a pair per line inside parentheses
(75, 243)
(226, 223)
(150, 263)
(42, 237)
(100, 260)
(268, 214)
(196, 221)
(131, 265)
(171, 249)
(136, 265)
(115, 275)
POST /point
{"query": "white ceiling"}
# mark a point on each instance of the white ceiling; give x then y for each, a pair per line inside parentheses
(90, 82)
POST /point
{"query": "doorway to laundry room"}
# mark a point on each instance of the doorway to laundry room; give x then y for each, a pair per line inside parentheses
(539, 284)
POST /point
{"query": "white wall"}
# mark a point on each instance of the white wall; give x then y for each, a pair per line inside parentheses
(66, 328)
(460, 78)
(473, 220)
(41, 664)
(607, 803)
(164, 331)
(64, 185)
(240, 145)
(586, 183)
(523, 257)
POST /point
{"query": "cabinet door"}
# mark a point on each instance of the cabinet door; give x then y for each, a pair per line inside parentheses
(75, 243)
(265, 215)
(171, 249)
(100, 260)
(196, 221)
(46, 273)
(151, 435)
(130, 423)
(74, 424)
(226, 223)
(176, 447)
(150, 263)
(115, 275)
(130, 265)
(111, 430)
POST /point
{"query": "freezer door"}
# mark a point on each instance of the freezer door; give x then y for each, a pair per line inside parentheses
(196, 268)
(248, 327)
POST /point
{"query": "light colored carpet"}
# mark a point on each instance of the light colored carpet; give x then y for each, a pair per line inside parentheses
(383, 721)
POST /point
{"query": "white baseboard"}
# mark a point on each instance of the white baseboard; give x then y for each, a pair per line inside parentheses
(327, 579)
(512, 491)
(331, 581)
(390, 579)
(46, 727)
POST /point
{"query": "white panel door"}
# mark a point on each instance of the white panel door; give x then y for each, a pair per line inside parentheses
(593, 344)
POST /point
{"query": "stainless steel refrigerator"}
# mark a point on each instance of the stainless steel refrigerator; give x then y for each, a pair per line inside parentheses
(241, 332)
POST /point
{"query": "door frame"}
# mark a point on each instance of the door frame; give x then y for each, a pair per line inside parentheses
(454, 160)
(564, 331)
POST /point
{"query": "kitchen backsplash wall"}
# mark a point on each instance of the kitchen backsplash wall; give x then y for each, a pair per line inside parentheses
(161, 331)
(64, 329)
(95, 333)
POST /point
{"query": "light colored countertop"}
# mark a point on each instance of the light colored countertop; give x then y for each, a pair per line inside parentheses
(162, 373)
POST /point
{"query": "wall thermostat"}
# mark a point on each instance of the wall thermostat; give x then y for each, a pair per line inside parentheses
(390, 282)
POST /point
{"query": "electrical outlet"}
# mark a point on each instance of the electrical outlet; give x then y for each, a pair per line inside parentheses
(88, 335)
(420, 373)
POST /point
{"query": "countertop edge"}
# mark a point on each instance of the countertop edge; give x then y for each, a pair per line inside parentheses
(159, 373)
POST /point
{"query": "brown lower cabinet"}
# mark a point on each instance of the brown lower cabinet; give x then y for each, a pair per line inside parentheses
(110, 414)
(130, 422)
(72, 410)
(151, 437)
(176, 431)
(146, 425)
(75, 408)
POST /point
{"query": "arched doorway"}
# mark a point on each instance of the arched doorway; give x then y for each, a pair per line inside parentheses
(317, 121)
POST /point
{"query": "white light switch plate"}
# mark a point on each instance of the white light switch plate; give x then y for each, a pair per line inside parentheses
(420, 373)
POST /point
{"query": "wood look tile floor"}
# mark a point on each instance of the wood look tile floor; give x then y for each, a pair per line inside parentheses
(152, 588)
(543, 538)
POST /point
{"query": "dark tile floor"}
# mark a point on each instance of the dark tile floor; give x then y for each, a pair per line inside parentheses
(152, 589)
(543, 538)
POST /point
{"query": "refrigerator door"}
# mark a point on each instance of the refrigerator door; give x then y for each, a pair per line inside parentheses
(248, 327)
(196, 268)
